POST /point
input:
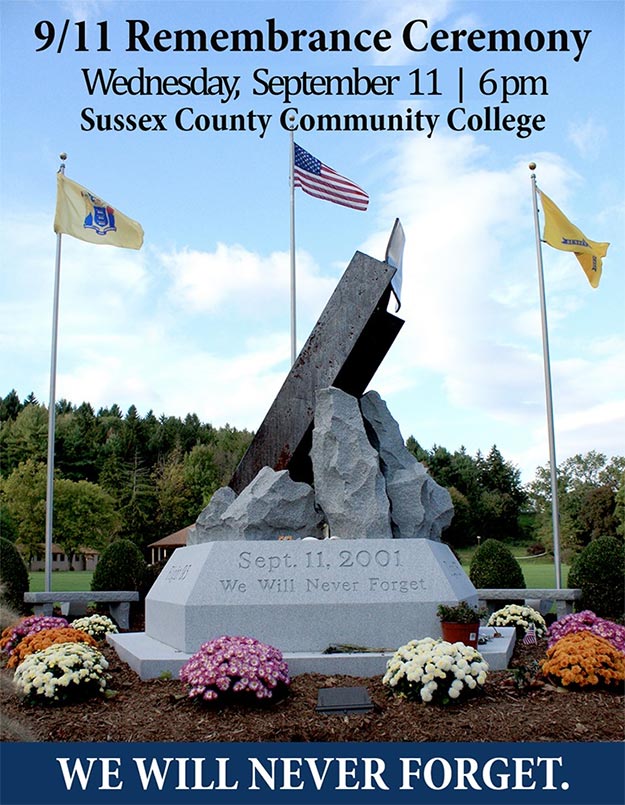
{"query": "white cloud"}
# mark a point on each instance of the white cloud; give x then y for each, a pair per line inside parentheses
(173, 378)
(247, 282)
(86, 9)
(588, 137)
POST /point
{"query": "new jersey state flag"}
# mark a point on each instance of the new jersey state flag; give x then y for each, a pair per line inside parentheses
(560, 233)
(83, 215)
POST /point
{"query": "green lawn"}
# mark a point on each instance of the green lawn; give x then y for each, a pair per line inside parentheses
(61, 580)
(542, 575)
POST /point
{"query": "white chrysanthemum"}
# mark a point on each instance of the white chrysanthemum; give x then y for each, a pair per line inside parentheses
(459, 674)
(35, 677)
(97, 626)
(521, 616)
(422, 666)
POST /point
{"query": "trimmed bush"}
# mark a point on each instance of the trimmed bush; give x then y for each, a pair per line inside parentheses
(493, 565)
(121, 567)
(599, 571)
(13, 576)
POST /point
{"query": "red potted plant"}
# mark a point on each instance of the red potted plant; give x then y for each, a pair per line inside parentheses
(460, 622)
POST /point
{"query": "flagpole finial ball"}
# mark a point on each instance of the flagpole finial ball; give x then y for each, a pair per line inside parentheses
(532, 166)
(63, 156)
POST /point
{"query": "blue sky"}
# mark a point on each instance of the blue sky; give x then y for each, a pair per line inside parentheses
(198, 320)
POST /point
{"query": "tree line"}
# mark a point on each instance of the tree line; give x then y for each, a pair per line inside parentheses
(490, 500)
(143, 477)
(116, 475)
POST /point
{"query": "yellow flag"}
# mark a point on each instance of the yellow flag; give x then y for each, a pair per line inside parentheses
(83, 215)
(562, 234)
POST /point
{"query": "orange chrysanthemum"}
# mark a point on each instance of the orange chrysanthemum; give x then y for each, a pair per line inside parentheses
(45, 638)
(584, 659)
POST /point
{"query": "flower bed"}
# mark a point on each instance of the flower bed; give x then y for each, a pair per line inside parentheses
(435, 671)
(235, 665)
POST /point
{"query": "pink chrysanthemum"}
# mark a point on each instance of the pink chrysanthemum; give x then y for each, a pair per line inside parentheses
(238, 665)
(587, 621)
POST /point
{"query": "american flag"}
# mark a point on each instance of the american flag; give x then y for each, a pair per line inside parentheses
(530, 636)
(320, 181)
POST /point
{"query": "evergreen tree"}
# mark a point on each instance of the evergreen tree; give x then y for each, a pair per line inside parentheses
(461, 531)
(502, 498)
(78, 444)
(10, 406)
(63, 407)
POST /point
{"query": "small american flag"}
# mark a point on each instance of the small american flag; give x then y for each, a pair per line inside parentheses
(530, 636)
(320, 181)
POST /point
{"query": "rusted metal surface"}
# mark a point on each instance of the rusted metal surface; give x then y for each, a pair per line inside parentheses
(344, 349)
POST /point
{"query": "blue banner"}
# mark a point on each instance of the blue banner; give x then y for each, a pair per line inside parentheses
(265, 773)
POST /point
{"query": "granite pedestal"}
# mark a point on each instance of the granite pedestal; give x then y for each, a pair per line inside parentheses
(301, 596)
(305, 595)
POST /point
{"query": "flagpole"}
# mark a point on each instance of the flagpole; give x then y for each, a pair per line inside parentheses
(555, 513)
(52, 408)
(292, 241)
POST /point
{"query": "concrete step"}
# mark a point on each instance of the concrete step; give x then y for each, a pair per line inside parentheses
(150, 658)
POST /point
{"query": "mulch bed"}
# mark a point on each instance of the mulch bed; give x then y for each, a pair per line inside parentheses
(158, 710)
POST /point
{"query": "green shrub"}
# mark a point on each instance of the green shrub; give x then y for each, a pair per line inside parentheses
(493, 565)
(599, 571)
(121, 567)
(13, 576)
